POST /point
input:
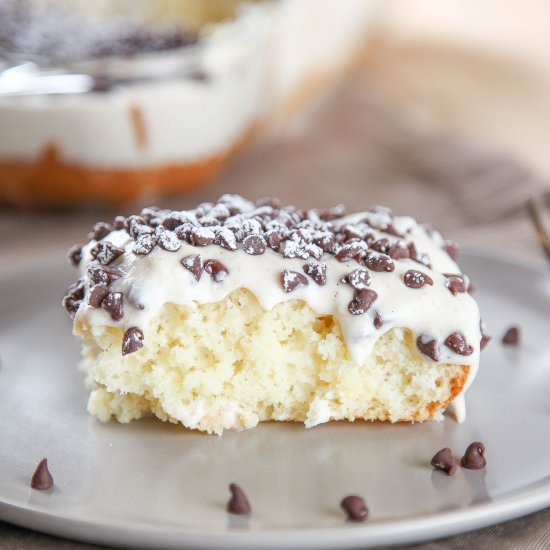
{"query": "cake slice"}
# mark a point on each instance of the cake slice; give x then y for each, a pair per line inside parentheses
(238, 312)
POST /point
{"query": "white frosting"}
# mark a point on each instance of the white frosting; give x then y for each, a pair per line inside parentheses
(159, 278)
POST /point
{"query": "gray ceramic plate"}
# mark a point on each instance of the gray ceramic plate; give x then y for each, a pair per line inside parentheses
(152, 484)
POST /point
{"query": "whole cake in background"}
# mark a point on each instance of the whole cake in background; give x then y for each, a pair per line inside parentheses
(236, 312)
(113, 101)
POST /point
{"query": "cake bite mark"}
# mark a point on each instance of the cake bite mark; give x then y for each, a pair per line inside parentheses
(474, 457)
(457, 342)
(445, 461)
(217, 271)
(139, 128)
(194, 264)
(428, 346)
(238, 503)
(362, 300)
(42, 479)
(355, 508)
(132, 340)
(105, 252)
(318, 272)
(512, 336)
(291, 280)
(113, 303)
(455, 282)
(416, 279)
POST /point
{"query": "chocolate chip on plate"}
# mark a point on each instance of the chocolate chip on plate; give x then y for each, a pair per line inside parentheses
(217, 271)
(428, 346)
(474, 457)
(42, 478)
(457, 343)
(512, 336)
(355, 508)
(113, 303)
(132, 340)
(362, 300)
(194, 264)
(238, 503)
(291, 280)
(445, 461)
(416, 279)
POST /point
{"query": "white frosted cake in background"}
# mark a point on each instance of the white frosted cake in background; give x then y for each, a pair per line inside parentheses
(236, 312)
(140, 114)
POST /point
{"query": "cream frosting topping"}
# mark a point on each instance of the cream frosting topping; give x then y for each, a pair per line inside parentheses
(202, 255)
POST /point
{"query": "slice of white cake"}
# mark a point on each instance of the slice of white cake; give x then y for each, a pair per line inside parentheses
(237, 312)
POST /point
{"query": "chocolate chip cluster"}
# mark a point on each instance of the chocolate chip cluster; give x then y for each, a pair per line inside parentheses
(234, 223)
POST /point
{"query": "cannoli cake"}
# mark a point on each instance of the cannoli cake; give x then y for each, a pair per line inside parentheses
(237, 312)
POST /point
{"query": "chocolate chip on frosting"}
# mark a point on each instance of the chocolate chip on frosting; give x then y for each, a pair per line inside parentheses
(291, 280)
(318, 272)
(355, 508)
(226, 239)
(132, 340)
(75, 255)
(238, 503)
(376, 261)
(511, 336)
(201, 236)
(359, 278)
(452, 249)
(99, 231)
(428, 346)
(144, 244)
(105, 275)
(362, 300)
(445, 461)
(73, 298)
(416, 279)
(118, 222)
(42, 479)
(457, 343)
(96, 295)
(485, 338)
(455, 282)
(254, 245)
(113, 303)
(378, 321)
(399, 251)
(217, 271)
(169, 241)
(105, 252)
(474, 457)
(194, 264)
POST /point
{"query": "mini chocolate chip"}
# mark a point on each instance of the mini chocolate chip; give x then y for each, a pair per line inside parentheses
(118, 222)
(485, 338)
(238, 503)
(42, 479)
(99, 231)
(105, 275)
(376, 261)
(291, 280)
(171, 222)
(428, 346)
(391, 230)
(75, 255)
(274, 239)
(362, 300)
(399, 251)
(457, 343)
(73, 298)
(455, 283)
(359, 278)
(474, 457)
(226, 239)
(512, 336)
(452, 249)
(194, 264)
(201, 236)
(169, 241)
(144, 245)
(378, 321)
(355, 508)
(318, 272)
(105, 252)
(381, 245)
(132, 340)
(254, 245)
(217, 271)
(327, 243)
(136, 226)
(269, 201)
(352, 249)
(445, 461)
(332, 213)
(113, 304)
(416, 279)
(96, 295)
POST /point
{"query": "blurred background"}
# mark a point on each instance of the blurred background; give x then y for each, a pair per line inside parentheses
(436, 108)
